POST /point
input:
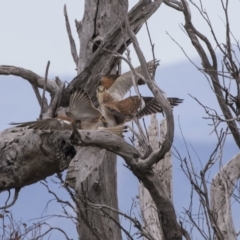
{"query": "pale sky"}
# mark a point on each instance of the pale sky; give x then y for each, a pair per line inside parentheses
(33, 32)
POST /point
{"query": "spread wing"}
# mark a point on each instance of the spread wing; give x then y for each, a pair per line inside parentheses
(111, 112)
(152, 106)
(175, 101)
(81, 107)
(128, 106)
(47, 124)
(124, 82)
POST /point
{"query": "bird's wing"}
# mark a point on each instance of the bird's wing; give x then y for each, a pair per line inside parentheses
(129, 105)
(152, 106)
(47, 124)
(124, 82)
(175, 101)
(112, 112)
(81, 107)
(118, 130)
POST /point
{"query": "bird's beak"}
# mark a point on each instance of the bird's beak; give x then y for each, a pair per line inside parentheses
(100, 89)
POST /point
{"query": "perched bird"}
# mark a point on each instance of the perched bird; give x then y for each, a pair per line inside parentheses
(118, 112)
(81, 108)
(118, 85)
(81, 113)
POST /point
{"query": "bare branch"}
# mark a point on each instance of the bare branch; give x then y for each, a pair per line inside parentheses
(32, 77)
(159, 154)
(221, 191)
(44, 108)
(114, 41)
(71, 40)
(17, 190)
(174, 4)
(211, 70)
(55, 100)
(38, 96)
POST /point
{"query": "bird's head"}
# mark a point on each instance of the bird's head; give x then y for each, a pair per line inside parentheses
(100, 92)
(100, 89)
(108, 80)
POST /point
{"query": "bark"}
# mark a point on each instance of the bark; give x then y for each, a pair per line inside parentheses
(150, 180)
(25, 161)
(222, 189)
(100, 187)
(101, 26)
(164, 170)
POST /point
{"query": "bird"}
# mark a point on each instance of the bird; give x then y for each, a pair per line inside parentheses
(119, 112)
(118, 85)
(82, 114)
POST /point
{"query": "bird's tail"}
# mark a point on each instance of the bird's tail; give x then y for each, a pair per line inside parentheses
(175, 101)
(24, 124)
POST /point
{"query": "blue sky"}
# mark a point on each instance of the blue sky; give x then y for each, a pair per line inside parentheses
(33, 32)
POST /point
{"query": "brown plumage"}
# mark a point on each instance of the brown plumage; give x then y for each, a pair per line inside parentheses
(81, 113)
(118, 112)
(108, 80)
(60, 123)
(118, 85)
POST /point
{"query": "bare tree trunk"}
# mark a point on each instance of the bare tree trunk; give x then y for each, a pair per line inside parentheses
(164, 170)
(100, 187)
(222, 189)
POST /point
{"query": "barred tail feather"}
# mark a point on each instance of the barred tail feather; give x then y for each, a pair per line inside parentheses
(118, 130)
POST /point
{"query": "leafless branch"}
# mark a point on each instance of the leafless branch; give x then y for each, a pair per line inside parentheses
(30, 76)
(55, 99)
(157, 94)
(153, 53)
(137, 224)
(71, 40)
(44, 107)
(52, 229)
(14, 199)
(38, 96)
(211, 69)
(174, 4)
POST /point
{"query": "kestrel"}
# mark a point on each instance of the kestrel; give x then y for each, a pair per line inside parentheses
(117, 86)
(81, 113)
(118, 112)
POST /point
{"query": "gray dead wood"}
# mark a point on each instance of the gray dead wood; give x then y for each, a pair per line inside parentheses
(102, 183)
(99, 60)
(28, 156)
(210, 65)
(150, 180)
(100, 187)
(30, 76)
(101, 25)
(165, 209)
(222, 188)
(54, 87)
(164, 170)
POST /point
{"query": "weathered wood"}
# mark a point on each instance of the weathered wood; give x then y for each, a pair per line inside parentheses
(100, 186)
(101, 61)
(28, 156)
(164, 171)
(222, 188)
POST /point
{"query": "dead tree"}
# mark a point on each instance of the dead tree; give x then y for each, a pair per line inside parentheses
(105, 32)
(223, 77)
